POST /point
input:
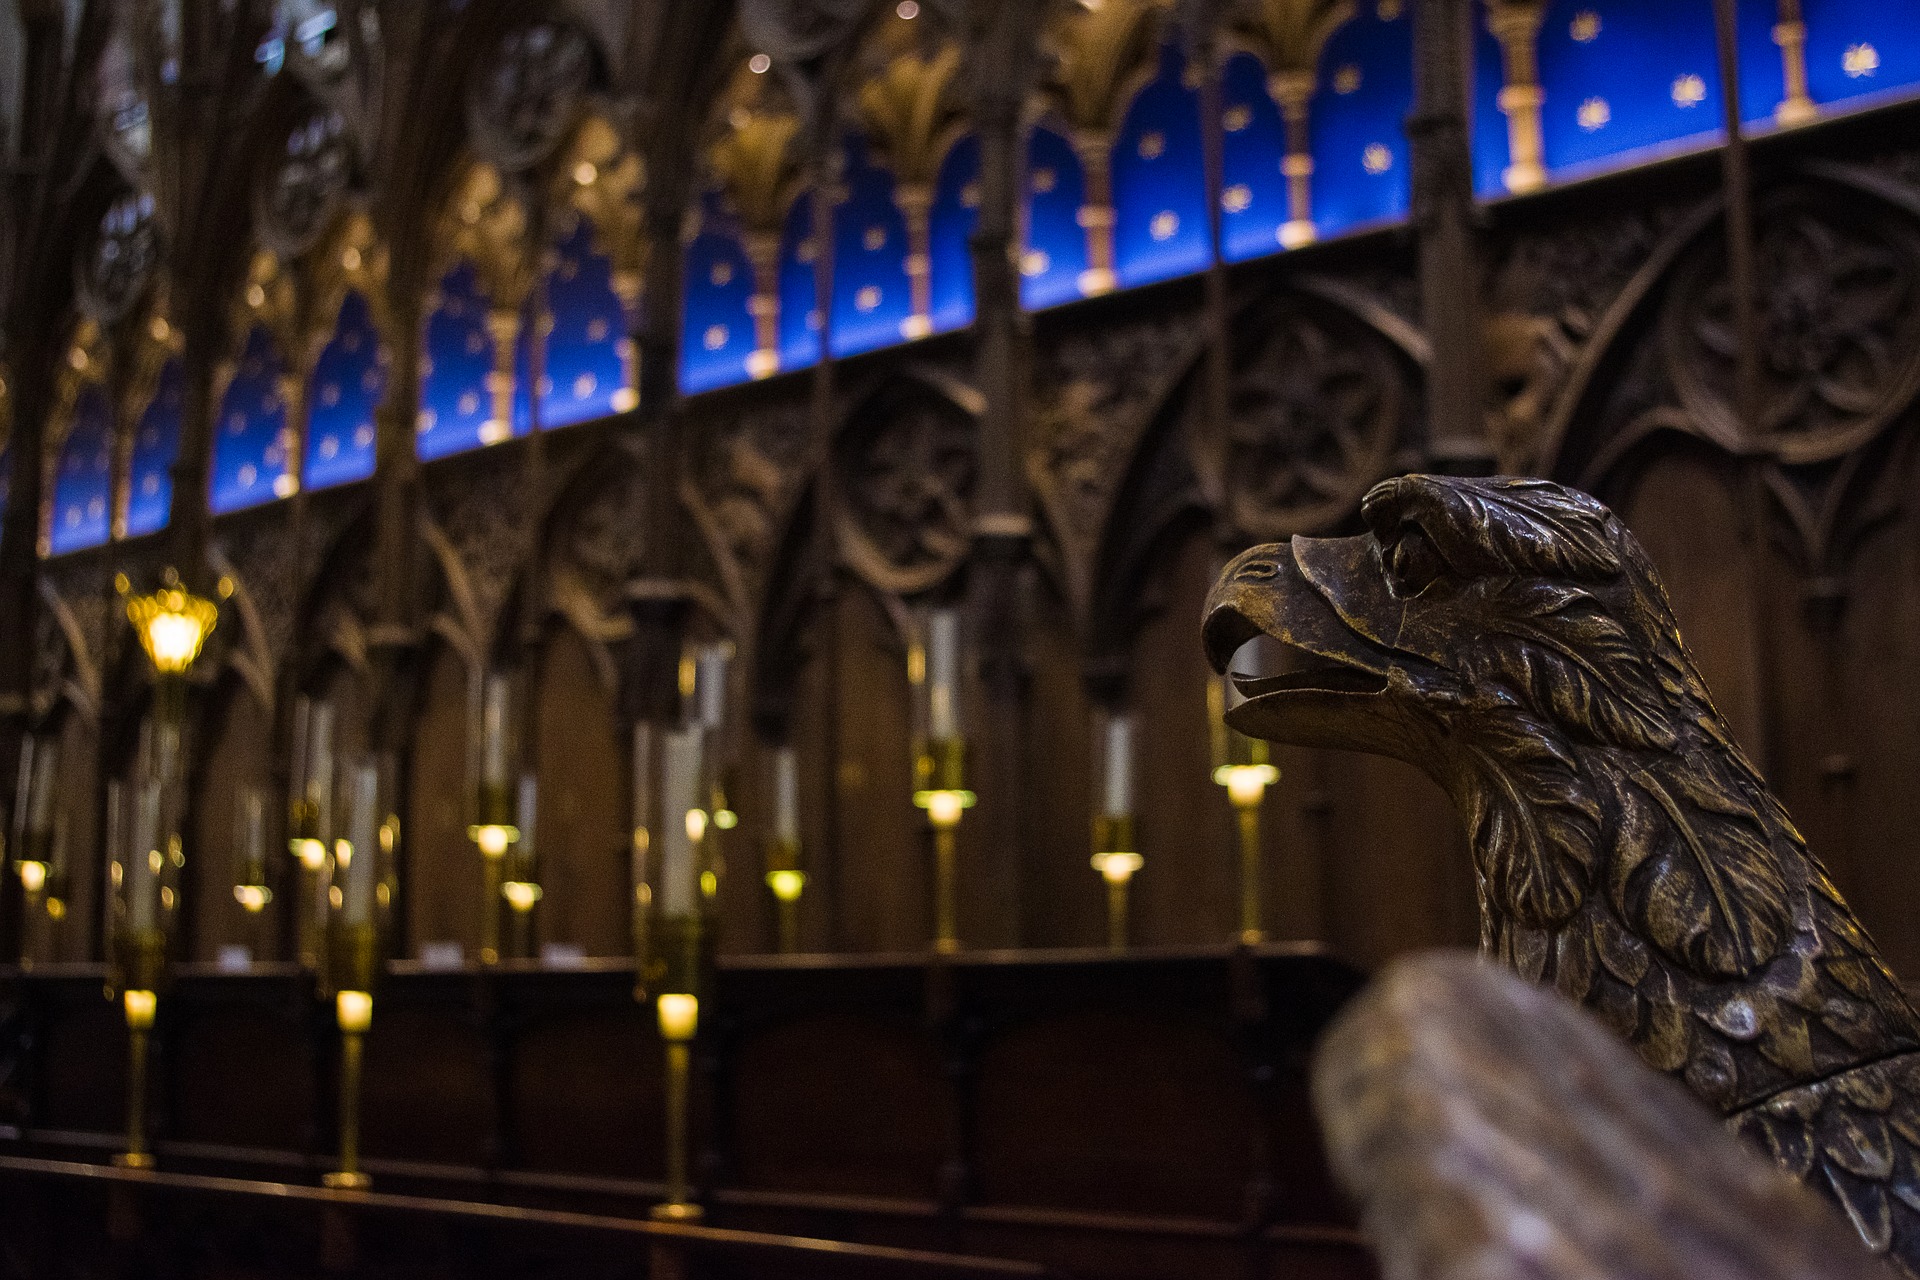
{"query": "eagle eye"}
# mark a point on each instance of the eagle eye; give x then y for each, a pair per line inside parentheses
(1413, 562)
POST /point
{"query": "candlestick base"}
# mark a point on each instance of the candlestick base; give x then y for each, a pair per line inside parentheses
(345, 1181)
(133, 1160)
(1252, 937)
(676, 1211)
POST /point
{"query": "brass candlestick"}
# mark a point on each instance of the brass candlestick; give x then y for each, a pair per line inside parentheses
(1246, 786)
(353, 1012)
(139, 1005)
(941, 771)
(1116, 862)
(679, 1014)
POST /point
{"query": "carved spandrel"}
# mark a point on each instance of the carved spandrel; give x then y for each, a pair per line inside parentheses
(746, 471)
(1510, 638)
(1839, 328)
(905, 467)
(1318, 406)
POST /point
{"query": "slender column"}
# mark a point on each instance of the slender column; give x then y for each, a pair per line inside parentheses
(763, 251)
(1443, 216)
(916, 202)
(1292, 90)
(627, 287)
(293, 433)
(1002, 527)
(1790, 33)
(1738, 190)
(1516, 25)
(504, 325)
(189, 520)
(1095, 148)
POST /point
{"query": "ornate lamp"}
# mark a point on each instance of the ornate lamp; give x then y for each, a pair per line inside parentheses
(939, 762)
(785, 878)
(495, 828)
(1114, 856)
(1241, 765)
(172, 625)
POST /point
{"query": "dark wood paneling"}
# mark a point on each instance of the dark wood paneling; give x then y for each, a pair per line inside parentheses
(584, 806)
(441, 887)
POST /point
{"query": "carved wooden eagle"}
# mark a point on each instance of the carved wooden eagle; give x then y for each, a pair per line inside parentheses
(1511, 639)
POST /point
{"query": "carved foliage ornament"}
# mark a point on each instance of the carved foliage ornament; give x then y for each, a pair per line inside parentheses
(1317, 407)
(905, 468)
(522, 100)
(1839, 305)
(115, 269)
(308, 182)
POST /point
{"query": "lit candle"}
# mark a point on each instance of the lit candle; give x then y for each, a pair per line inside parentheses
(680, 796)
(527, 819)
(252, 843)
(711, 685)
(143, 860)
(786, 795)
(1118, 792)
(46, 759)
(297, 769)
(320, 769)
(116, 835)
(943, 674)
(23, 788)
(362, 859)
(493, 733)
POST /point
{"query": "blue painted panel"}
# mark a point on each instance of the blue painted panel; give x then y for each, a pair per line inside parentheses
(1762, 82)
(956, 207)
(1159, 181)
(799, 297)
(1253, 194)
(83, 479)
(1626, 81)
(156, 442)
(1861, 50)
(249, 438)
(1360, 173)
(716, 328)
(1056, 250)
(455, 405)
(585, 377)
(871, 296)
(1491, 154)
(348, 381)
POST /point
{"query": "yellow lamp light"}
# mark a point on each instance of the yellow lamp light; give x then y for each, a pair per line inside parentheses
(493, 838)
(353, 1010)
(311, 854)
(252, 898)
(787, 885)
(944, 807)
(679, 1015)
(520, 894)
(1246, 783)
(172, 625)
(33, 876)
(1118, 867)
(139, 1006)
(696, 825)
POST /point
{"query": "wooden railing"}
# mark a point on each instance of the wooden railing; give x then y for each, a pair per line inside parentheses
(1123, 1117)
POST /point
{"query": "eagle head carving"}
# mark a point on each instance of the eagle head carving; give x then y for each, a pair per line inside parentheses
(1511, 638)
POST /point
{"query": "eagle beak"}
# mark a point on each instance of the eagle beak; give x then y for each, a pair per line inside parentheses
(1331, 694)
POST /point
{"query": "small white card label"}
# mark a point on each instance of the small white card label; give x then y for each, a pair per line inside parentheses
(442, 955)
(562, 955)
